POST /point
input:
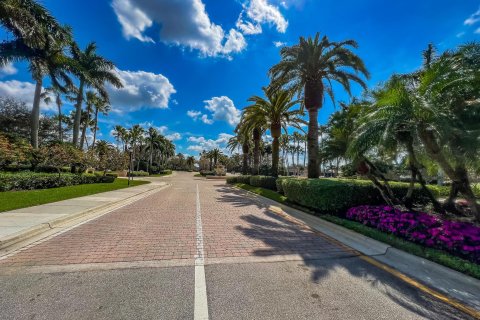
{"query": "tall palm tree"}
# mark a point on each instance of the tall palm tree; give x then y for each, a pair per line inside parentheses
(41, 42)
(241, 140)
(119, 134)
(309, 69)
(136, 135)
(251, 126)
(100, 106)
(274, 112)
(153, 140)
(190, 162)
(93, 71)
(57, 93)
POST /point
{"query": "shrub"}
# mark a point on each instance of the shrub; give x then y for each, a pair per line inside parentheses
(263, 182)
(279, 183)
(459, 238)
(166, 172)
(32, 180)
(207, 173)
(138, 174)
(238, 179)
(336, 196)
(108, 174)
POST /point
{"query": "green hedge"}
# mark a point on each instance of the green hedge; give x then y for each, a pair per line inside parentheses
(336, 196)
(238, 179)
(166, 172)
(137, 174)
(33, 180)
(279, 183)
(263, 182)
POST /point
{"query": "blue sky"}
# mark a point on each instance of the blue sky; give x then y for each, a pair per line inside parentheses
(190, 65)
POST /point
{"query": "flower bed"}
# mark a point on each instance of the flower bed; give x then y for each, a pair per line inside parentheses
(459, 238)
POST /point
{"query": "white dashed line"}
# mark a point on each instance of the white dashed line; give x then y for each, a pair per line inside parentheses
(201, 303)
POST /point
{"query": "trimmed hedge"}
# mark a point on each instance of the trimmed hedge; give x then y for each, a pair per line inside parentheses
(137, 174)
(166, 172)
(32, 180)
(263, 182)
(336, 196)
(279, 183)
(238, 179)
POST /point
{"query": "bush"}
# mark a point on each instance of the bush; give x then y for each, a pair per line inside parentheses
(279, 183)
(459, 238)
(137, 174)
(108, 174)
(238, 179)
(32, 180)
(336, 196)
(207, 173)
(263, 182)
(166, 172)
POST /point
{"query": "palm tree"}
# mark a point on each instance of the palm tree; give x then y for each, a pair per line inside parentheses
(135, 134)
(190, 162)
(119, 133)
(153, 140)
(100, 105)
(42, 47)
(309, 68)
(93, 71)
(57, 93)
(273, 112)
(241, 140)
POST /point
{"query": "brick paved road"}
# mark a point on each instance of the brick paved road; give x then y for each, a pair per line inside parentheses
(307, 275)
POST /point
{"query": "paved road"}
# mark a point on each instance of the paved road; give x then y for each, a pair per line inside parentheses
(201, 248)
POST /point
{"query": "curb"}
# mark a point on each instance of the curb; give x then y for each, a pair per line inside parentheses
(47, 226)
(447, 281)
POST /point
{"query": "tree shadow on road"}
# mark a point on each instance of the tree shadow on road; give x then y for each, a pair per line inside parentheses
(322, 256)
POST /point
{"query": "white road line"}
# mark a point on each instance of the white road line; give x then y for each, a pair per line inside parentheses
(201, 303)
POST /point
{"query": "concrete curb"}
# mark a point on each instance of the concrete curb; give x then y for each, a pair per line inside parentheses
(37, 230)
(450, 282)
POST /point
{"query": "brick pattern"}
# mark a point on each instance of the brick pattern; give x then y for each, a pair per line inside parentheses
(158, 227)
(237, 226)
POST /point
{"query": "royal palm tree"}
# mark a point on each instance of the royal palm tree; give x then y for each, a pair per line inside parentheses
(274, 112)
(309, 69)
(93, 71)
(99, 106)
(56, 92)
(135, 134)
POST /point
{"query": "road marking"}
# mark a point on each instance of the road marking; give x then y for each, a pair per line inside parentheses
(439, 296)
(201, 302)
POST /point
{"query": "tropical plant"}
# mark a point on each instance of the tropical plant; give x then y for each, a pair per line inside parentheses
(309, 69)
(274, 112)
(93, 71)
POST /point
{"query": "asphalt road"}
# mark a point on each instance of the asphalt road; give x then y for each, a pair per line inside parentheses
(146, 261)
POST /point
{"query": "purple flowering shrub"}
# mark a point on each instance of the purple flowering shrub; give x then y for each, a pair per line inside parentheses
(459, 238)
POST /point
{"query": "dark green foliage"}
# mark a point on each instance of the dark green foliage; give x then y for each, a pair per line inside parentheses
(32, 181)
(264, 182)
(336, 196)
(238, 179)
(207, 173)
(138, 174)
(279, 183)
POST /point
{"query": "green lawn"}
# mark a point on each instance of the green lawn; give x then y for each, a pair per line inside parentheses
(11, 200)
(438, 256)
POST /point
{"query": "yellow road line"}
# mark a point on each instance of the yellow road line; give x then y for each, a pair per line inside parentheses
(450, 301)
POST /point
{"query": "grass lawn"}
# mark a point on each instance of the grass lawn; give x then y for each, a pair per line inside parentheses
(438, 256)
(11, 200)
(160, 175)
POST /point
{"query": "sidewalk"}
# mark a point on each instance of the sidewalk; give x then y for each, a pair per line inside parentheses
(22, 224)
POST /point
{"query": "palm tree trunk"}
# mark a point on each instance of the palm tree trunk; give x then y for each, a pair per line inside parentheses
(95, 128)
(60, 129)
(245, 150)
(305, 156)
(256, 151)
(312, 143)
(78, 114)
(84, 133)
(276, 131)
(35, 120)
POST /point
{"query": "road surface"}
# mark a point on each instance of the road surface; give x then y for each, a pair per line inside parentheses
(201, 249)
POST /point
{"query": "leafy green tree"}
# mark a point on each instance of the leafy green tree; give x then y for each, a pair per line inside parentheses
(309, 69)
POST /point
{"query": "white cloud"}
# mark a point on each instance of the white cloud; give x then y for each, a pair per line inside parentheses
(223, 109)
(220, 108)
(174, 136)
(258, 12)
(473, 19)
(141, 90)
(183, 23)
(23, 91)
(279, 44)
(194, 114)
(200, 143)
(7, 70)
